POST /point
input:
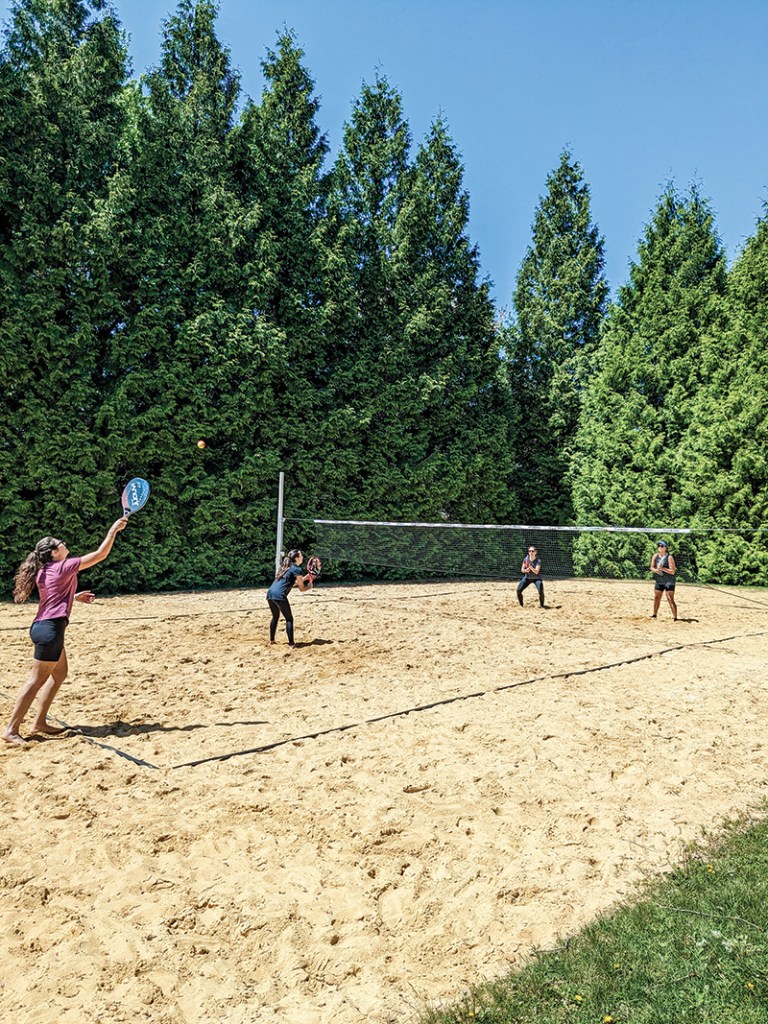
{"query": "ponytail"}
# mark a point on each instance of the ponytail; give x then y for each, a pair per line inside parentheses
(24, 581)
(287, 562)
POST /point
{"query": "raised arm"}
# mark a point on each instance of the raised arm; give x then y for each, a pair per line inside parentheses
(105, 547)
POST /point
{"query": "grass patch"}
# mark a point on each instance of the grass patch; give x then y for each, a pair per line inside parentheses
(693, 949)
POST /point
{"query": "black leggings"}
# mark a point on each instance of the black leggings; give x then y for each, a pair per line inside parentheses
(276, 607)
(524, 582)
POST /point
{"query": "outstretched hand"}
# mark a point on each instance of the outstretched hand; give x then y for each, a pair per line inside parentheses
(86, 596)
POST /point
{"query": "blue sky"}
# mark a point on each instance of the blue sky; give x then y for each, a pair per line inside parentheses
(641, 91)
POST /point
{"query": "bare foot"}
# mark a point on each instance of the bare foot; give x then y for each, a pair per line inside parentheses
(15, 739)
(49, 730)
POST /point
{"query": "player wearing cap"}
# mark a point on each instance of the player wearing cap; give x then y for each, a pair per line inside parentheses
(663, 568)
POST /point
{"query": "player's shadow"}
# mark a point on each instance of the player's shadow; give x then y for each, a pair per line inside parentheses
(316, 643)
(120, 729)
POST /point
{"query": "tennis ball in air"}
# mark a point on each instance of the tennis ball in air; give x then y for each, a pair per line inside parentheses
(201, 444)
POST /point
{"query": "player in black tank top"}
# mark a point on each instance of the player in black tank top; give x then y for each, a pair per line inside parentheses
(531, 570)
(664, 571)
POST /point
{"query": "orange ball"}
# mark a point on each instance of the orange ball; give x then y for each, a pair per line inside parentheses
(201, 444)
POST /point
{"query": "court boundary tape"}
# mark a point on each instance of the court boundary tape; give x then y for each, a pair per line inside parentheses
(456, 699)
(317, 599)
(139, 762)
(443, 702)
(226, 611)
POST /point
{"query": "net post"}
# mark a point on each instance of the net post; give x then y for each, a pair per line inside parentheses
(279, 541)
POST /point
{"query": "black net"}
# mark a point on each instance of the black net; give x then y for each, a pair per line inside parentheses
(498, 551)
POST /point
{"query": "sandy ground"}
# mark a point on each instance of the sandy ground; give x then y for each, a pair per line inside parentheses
(433, 783)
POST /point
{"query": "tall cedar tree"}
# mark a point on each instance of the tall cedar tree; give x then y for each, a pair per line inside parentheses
(192, 357)
(364, 431)
(62, 66)
(722, 460)
(560, 300)
(279, 155)
(448, 393)
(638, 402)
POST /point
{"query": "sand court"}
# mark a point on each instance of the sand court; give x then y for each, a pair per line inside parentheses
(432, 783)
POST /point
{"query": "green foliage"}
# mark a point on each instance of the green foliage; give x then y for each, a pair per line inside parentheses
(638, 401)
(177, 263)
(722, 458)
(175, 268)
(368, 386)
(62, 70)
(460, 446)
(279, 153)
(415, 404)
(559, 305)
(190, 356)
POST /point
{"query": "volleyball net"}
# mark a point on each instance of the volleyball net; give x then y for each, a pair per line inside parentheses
(566, 552)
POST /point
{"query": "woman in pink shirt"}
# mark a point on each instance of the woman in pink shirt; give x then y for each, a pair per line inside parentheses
(55, 573)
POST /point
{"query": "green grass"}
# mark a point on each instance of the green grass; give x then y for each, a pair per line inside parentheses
(692, 949)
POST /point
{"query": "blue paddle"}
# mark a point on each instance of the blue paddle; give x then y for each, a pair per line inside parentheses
(135, 494)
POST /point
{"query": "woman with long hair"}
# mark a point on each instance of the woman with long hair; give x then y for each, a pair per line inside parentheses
(277, 595)
(51, 568)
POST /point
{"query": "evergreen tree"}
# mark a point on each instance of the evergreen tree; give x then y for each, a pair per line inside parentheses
(191, 357)
(637, 403)
(560, 301)
(448, 392)
(415, 421)
(722, 460)
(279, 155)
(62, 68)
(360, 315)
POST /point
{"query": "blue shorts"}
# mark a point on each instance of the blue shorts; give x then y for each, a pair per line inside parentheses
(48, 637)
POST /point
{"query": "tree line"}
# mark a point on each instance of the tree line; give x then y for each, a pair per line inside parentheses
(180, 262)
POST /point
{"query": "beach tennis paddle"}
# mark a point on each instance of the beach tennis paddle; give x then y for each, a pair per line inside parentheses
(135, 494)
(314, 568)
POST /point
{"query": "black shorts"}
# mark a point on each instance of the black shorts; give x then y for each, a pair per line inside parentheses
(48, 637)
(664, 585)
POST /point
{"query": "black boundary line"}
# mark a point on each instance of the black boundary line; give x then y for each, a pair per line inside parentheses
(722, 590)
(104, 746)
(453, 700)
(115, 750)
(732, 592)
(393, 714)
(233, 611)
(129, 618)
